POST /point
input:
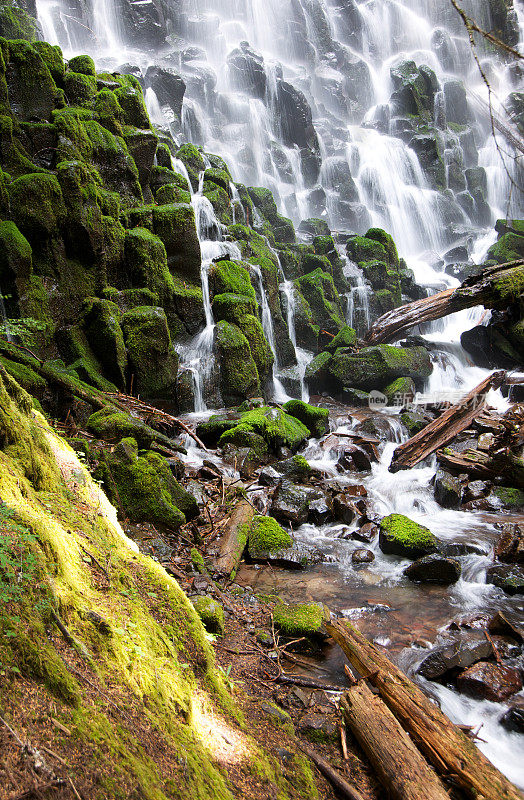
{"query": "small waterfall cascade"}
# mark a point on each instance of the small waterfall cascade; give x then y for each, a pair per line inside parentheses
(303, 357)
(357, 299)
(279, 392)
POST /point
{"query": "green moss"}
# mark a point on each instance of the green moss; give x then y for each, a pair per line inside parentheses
(108, 111)
(401, 536)
(323, 298)
(175, 226)
(211, 431)
(82, 64)
(232, 307)
(112, 425)
(305, 619)
(400, 391)
(15, 264)
(238, 372)
(144, 487)
(266, 537)
(211, 613)
(15, 23)
(509, 497)
(220, 201)
(131, 100)
(79, 88)
(375, 367)
(231, 277)
(101, 323)
(315, 419)
(218, 176)
(346, 337)
(30, 380)
(193, 162)
(152, 358)
(52, 55)
(244, 436)
(172, 193)
(37, 206)
(275, 426)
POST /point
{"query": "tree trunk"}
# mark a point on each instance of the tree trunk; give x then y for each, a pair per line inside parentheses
(234, 539)
(444, 745)
(399, 766)
(495, 287)
(486, 467)
(443, 429)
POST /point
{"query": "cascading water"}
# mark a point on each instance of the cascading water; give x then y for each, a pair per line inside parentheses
(298, 96)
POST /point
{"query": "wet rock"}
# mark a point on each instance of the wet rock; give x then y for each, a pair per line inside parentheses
(362, 556)
(373, 367)
(274, 712)
(490, 681)
(434, 568)
(269, 477)
(453, 549)
(464, 650)
(366, 533)
(354, 459)
(400, 536)
(506, 647)
(291, 503)
(513, 719)
(508, 577)
(508, 496)
(168, 87)
(317, 727)
(355, 397)
(476, 490)
(211, 613)
(319, 512)
(457, 110)
(315, 419)
(498, 624)
(304, 619)
(344, 509)
(246, 71)
(510, 544)
(293, 469)
(448, 489)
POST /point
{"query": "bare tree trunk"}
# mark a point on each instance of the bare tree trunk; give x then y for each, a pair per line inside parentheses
(443, 429)
(234, 539)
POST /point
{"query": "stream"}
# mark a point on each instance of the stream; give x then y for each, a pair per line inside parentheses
(386, 187)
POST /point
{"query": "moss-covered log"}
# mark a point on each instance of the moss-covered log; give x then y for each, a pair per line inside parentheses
(495, 287)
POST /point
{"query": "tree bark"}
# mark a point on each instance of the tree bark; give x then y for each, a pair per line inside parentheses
(234, 539)
(487, 467)
(443, 429)
(398, 764)
(444, 745)
(495, 287)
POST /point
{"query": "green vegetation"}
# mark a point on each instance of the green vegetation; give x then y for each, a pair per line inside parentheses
(399, 535)
(304, 619)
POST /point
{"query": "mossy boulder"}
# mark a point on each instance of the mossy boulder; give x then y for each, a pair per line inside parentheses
(400, 536)
(239, 377)
(315, 419)
(175, 226)
(267, 538)
(82, 64)
(509, 497)
(143, 485)
(400, 392)
(15, 265)
(152, 358)
(360, 248)
(31, 88)
(111, 425)
(375, 367)
(276, 427)
(320, 292)
(230, 277)
(316, 375)
(80, 89)
(211, 613)
(509, 247)
(233, 307)
(15, 23)
(37, 207)
(193, 161)
(347, 337)
(211, 431)
(101, 324)
(304, 619)
(296, 468)
(52, 56)
(314, 227)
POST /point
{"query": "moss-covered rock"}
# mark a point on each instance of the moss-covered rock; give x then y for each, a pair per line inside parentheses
(306, 619)
(211, 613)
(37, 207)
(143, 485)
(32, 90)
(267, 538)
(315, 419)
(400, 392)
(276, 427)
(111, 425)
(101, 323)
(509, 496)
(15, 23)
(323, 298)
(375, 367)
(80, 89)
(82, 64)
(152, 358)
(400, 536)
(509, 247)
(15, 265)
(175, 226)
(239, 377)
(193, 161)
(347, 337)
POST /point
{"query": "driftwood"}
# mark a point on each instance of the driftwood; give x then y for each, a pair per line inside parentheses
(309, 683)
(234, 539)
(398, 764)
(443, 429)
(494, 287)
(445, 746)
(332, 775)
(485, 466)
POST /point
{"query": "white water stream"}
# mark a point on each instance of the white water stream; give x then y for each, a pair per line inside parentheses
(341, 59)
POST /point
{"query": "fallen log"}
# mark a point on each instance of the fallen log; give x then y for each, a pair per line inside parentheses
(443, 429)
(399, 766)
(495, 287)
(504, 465)
(446, 747)
(234, 539)
(332, 775)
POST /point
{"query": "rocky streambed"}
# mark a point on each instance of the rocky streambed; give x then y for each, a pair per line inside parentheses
(428, 563)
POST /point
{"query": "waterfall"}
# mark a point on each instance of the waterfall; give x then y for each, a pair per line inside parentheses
(279, 393)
